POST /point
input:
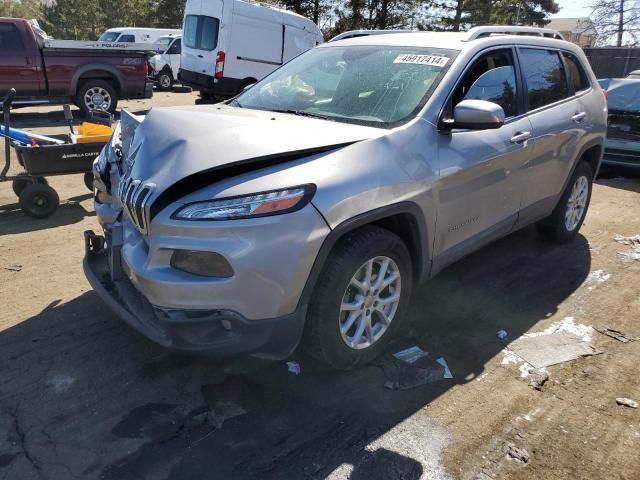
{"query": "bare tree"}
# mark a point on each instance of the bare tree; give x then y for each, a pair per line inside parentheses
(619, 19)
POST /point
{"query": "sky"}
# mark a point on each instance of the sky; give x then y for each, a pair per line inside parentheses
(573, 8)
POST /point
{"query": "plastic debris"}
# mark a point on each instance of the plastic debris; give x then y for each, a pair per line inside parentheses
(294, 367)
(502, 334)
(627, 402)
(403, 375)
(447, 372)
(411, 354)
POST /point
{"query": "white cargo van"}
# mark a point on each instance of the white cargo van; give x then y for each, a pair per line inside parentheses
(136, 35)
(229, 44)
(166, 65)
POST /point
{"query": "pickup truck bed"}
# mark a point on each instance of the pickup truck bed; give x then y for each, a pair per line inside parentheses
(93, 75)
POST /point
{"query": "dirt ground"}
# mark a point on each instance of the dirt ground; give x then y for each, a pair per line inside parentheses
(84, 396)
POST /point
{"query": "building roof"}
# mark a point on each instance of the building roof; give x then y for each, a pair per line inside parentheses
(570, 24)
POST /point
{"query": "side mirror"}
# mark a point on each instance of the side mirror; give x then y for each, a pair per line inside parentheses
(477, 115)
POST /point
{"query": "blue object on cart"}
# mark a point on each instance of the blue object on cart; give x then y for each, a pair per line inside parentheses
(29, 138)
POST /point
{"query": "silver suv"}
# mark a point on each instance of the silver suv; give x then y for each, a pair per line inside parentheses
(308, 208)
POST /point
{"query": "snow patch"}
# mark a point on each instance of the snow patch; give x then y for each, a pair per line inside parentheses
(567, 325)
(597, 277)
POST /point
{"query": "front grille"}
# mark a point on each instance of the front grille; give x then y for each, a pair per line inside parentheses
(135, 197)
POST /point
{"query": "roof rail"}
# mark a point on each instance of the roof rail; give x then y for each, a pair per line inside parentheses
(481, 32)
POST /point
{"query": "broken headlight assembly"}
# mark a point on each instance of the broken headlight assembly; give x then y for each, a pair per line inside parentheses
(276, 202)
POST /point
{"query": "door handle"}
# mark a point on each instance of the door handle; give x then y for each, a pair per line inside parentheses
(520, 137)
(578, 117)
(200, 56)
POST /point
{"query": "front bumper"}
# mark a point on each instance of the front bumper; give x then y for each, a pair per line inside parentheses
(216, 332)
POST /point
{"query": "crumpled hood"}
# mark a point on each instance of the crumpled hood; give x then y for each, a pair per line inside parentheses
(174, 143)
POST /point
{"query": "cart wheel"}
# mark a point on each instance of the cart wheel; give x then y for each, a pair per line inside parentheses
(88, 180)
(19, 184)
(22, 180)
(39, 200)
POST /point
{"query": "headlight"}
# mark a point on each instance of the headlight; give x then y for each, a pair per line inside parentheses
(276, 202)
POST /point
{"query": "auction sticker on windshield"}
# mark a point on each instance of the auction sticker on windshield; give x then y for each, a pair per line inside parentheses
(433, 60)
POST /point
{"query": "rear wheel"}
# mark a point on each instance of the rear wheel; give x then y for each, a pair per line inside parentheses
(97, 95)
(39, 200)
(565, 221)
(22, 181)
(360, 298)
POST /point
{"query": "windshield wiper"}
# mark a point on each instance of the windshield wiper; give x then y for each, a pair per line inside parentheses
(301, 113)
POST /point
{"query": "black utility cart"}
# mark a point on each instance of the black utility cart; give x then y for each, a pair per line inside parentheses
(37, 198)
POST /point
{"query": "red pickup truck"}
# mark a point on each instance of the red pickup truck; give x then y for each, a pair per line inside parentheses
(93, 75)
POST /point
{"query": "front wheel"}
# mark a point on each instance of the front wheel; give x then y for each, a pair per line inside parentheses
(96, 95)
(165, 80)
(565, 221)
(360, 298)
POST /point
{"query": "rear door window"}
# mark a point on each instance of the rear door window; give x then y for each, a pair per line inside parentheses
(201, 32)
(127, 39)
(578, 80)
(544, 76)
(10, 39)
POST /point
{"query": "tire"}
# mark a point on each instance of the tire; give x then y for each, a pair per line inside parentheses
(39, 200)
(323, 337)
(89, 94)
(559, 227)
(165, 80)
(88, 180)
(22, 181)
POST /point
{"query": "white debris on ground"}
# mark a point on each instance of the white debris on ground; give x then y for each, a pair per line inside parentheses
(633, 253)
(627, 402)
(566, 325)
(411, 354)
(597, 277)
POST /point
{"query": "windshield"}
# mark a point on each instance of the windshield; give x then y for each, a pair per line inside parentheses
(109, 36)
(370, 85)
(164, 41)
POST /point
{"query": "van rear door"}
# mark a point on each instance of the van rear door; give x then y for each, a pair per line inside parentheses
(255, 45)
(297, 41)
(200, 37)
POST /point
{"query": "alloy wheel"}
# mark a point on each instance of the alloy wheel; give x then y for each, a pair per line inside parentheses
(370, 302)
(577, 203)
(97, 98)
